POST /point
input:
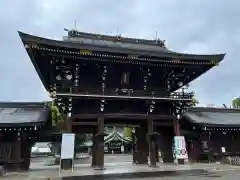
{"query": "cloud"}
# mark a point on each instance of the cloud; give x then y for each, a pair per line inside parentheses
(199, 26)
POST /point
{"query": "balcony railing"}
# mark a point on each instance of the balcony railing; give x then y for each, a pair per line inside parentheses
(124, 93)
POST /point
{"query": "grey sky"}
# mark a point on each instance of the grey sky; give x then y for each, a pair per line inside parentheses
(193, 26)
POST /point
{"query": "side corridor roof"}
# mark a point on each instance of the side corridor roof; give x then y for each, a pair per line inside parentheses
(213, 116)
(17, 114)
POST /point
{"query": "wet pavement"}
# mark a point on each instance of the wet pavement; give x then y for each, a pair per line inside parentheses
(226, 175)
(119, 167)
(40, 162)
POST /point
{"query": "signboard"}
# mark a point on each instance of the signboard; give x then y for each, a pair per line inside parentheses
(67, 149)
(180, 147)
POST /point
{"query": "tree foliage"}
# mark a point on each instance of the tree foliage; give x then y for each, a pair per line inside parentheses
(194, 100)
(58, 120)
(55, 114)
(236, 102)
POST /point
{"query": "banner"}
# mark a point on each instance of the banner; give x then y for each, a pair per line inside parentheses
(180, 147)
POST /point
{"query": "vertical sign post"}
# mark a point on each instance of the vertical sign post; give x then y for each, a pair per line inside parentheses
(67, 148)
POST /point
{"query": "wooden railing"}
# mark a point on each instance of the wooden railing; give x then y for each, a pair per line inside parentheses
(126, 92)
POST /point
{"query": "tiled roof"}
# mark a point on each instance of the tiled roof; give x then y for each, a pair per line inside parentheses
(116, 136)
(136, 49)
(214, 116)
(23, 113)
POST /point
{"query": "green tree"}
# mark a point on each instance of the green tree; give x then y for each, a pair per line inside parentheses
(236, 102)
(59, 126)
(58, 123)
(55, 114)
(194, 100)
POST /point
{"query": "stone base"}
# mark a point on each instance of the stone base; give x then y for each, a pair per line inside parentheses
(153, 166)
(180, 161)
(99, 168)
(2, 171)
(66, 164)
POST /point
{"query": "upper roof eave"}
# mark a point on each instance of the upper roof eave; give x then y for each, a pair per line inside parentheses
(30, 39)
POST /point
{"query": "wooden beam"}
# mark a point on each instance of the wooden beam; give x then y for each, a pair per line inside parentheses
(99, 96)
(79, 123)
(123, 116)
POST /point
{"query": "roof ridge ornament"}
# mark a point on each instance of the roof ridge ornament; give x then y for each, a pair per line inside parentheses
(158, 41)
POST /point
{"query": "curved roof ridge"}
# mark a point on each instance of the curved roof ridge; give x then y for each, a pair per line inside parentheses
(114, 135)
(121, 136)
(103, 36)
(110, 137)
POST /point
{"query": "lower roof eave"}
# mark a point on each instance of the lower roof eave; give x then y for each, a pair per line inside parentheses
(221, 125)
(20, 125)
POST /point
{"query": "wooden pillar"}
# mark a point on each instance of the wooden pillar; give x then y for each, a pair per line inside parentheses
(166, 146)
(16, 154)
(157, 152)
(68, 122)
(151, 143)
(210, 148)
(94, 150)
(100, 143)
(176, 127)
(141, 144)
(133, 145)
(26, 147)
(193, 150)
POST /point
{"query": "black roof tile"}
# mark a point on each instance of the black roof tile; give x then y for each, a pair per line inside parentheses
(214, 116)
(134, 49)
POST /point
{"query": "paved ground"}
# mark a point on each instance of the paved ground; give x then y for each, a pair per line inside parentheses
(226, 175)
(127, 170)
(120, 166)
(40, 162)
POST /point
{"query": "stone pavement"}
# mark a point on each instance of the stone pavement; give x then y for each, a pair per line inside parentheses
(119, 170)
(229, 175)
(42, 162)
